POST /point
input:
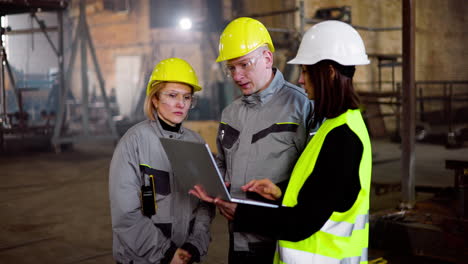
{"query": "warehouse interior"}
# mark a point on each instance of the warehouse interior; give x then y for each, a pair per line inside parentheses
(73, 80)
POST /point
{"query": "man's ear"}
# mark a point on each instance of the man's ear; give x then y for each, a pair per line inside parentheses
(268, 57)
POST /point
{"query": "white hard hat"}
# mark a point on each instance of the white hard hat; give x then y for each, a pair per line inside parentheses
(331, 40)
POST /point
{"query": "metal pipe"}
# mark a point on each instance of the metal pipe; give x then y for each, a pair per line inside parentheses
(17, 95)
(29, 31)
(315, 21)
(449, 108)
(301, 18)
(282, 30)
(60, 58)
(16, 91)
(380, 76)
(84, 73)
(421, 105)
(41, 25)
(3, 115)
(377, 29)
(2, 75)
(60, 116)
(10, 75)
(442, 82)
(408, 107)
(273, 13)
(110, 121)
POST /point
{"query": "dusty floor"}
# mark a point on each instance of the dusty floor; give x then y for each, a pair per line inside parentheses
(54, 208)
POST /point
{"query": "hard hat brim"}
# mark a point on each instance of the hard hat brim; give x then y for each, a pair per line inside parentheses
(312, 61)
(196, 88)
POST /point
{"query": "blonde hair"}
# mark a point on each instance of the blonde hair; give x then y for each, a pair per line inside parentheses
(148, 107)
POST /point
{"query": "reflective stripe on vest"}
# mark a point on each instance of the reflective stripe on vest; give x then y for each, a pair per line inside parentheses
(345, 229)
(344, 237)
(289, 255)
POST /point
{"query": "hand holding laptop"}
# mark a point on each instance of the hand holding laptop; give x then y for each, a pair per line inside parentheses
(227, 209)
(194, 164)
(264, 187)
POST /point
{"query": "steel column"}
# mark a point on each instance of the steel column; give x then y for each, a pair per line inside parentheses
(92, 50)
(408, 126)
(84, 74)
(3, 116)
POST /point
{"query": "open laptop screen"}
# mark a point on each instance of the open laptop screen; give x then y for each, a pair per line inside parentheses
(193, 163)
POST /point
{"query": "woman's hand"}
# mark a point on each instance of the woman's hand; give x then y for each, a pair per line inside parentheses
(264, 187)
(199, 192)
(181, 256)
(227, 209)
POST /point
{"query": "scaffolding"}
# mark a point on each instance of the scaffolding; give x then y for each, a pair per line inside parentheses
(71, 121)
(14, 125)
(83, 43)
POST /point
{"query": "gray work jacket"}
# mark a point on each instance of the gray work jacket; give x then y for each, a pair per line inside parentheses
(180, 218)
(262, 136)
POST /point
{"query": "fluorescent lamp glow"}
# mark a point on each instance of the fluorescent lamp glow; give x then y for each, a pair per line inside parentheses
(185, 23)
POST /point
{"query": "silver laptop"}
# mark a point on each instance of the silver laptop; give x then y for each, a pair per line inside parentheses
(194, 164)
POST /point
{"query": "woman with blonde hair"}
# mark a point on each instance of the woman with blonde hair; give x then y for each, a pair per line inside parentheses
(151, 221)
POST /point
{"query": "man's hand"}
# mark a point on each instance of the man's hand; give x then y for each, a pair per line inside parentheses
(264, 187)
(181, 256)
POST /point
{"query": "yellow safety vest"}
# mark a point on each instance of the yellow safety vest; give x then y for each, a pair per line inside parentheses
(344, 237)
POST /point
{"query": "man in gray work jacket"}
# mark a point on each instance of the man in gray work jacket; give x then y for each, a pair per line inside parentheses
(262, 133)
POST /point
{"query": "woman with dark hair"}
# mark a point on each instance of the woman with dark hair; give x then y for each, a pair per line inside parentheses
(323, 217)
(336, 94)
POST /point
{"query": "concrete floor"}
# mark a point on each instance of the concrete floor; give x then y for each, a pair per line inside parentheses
(54, 208)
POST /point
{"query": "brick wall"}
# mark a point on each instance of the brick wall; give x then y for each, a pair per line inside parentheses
(117, 34)
(440, 38)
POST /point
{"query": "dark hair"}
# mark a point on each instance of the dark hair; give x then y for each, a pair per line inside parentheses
(332, 96)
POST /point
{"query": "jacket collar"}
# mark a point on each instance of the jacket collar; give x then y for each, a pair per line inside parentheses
(165, 133)
(261, 98)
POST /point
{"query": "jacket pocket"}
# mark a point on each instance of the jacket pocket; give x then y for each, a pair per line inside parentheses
(162, 183)
(166, 228)
(228, 135)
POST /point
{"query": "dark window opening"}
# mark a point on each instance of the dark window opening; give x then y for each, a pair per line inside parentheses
(117, 5)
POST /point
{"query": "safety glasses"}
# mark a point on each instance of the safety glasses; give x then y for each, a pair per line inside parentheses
(244, 66)
(174, 98)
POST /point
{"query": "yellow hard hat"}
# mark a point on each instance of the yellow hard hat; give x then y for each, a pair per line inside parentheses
(173, 70)
(242, 36)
